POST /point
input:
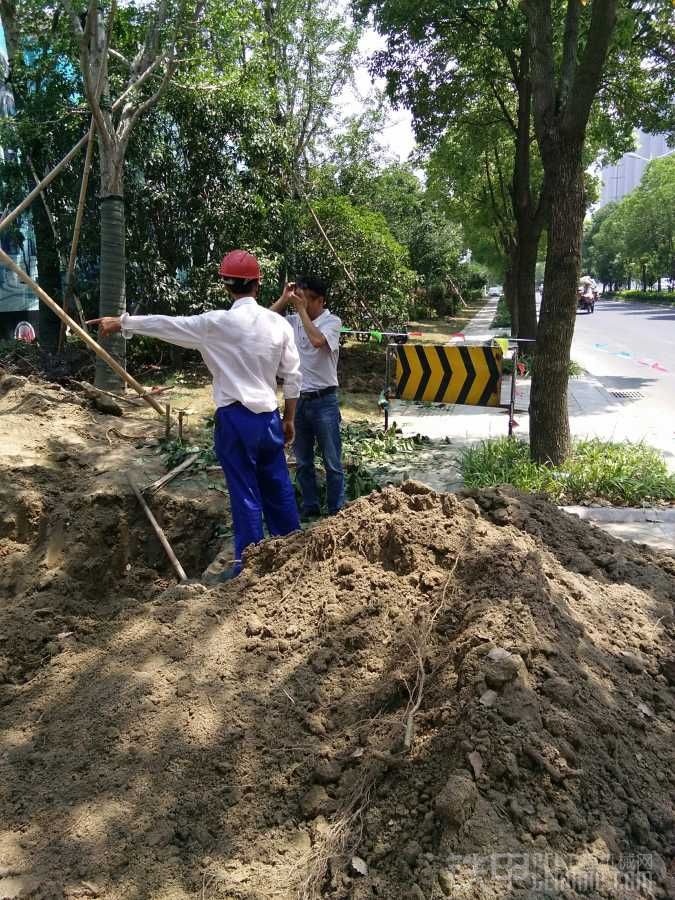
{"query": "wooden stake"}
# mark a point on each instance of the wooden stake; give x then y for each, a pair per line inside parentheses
(167, 421)
(165, 479)
(180, 571)
(88, 340)
(181, 413)
(46, 181)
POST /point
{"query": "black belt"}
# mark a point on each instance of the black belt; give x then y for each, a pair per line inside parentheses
(314, 395)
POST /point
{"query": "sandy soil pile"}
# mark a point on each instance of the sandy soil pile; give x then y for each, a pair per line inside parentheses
(424, 696)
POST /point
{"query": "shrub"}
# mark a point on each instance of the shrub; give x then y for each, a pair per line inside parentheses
(440, 299)
(502, 317)
(376, 260)
(625, 474)
(647, 296)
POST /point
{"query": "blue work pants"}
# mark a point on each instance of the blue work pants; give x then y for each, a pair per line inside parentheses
(317, 421)
(250, 449)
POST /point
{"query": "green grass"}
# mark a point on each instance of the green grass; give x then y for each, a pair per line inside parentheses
(624, 474)
(574, 370)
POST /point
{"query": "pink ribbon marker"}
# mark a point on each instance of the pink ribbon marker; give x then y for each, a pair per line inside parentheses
(659, 367)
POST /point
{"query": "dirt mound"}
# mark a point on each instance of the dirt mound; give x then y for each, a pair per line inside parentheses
(423, 696)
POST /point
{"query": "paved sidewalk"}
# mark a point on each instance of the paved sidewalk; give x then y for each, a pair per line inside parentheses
(655, 527)
(480, 329)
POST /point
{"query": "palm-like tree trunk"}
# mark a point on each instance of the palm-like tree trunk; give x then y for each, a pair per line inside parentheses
(112, 297)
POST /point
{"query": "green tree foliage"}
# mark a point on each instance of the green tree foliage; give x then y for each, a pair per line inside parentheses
(636, 237)
(650, 221)
(308, 52)
(465, 74)
(47, 122)
(603, 247)
(246, 128)
(207, 172)
(434, 241)
(371, 254)
(473, 191)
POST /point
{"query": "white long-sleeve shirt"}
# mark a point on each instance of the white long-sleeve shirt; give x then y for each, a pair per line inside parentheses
(245, 348)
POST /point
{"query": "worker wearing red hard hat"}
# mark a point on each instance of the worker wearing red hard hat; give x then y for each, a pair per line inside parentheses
(245, 348)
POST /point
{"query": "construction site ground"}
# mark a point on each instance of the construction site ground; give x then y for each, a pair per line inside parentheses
(428, 695)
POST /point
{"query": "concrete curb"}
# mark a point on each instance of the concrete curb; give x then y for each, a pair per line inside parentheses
(616, 514)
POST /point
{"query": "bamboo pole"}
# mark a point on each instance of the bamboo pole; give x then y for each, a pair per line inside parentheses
(48, 211)
(88, 340)
(50, 176)
(72, 259)
(90, 389)
(46, 181)
(180, 571)
(165, 479)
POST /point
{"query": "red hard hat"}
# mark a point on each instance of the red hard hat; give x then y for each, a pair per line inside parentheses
(240, 264)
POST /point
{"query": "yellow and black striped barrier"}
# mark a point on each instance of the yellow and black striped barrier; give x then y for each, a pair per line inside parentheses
(449, 374)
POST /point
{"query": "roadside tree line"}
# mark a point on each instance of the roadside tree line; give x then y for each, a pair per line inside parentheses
(634, 239)
(513, 102)
(231, 129)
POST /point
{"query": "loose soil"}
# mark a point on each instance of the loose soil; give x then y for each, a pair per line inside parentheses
(426, 695)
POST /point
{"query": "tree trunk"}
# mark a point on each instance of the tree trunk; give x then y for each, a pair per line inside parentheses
(510, 288)
(528, 247)
(528, 219)
(49, 277)
(549, 423)
(112, 298)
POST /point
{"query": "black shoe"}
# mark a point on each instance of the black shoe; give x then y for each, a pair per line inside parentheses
(310, 516)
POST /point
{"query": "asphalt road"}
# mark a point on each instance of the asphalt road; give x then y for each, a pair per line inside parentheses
(631, 347)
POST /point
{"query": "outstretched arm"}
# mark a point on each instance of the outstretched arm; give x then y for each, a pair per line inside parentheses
(183, 331)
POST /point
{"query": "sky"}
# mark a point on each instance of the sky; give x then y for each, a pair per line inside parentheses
(397, 137)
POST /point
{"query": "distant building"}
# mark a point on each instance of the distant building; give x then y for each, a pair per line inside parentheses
(17, 302)
(624, 177)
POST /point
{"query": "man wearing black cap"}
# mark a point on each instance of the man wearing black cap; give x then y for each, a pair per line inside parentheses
(317, 419)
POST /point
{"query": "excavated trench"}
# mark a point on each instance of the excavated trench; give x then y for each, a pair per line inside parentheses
(66, 555)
